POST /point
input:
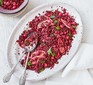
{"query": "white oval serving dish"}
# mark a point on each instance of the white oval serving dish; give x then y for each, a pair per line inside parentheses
(12, 58)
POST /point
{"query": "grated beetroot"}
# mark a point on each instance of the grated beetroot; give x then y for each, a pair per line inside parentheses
(55, 31)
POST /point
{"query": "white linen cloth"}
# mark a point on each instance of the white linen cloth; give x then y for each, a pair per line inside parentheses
(85, 9)
(73, 78)
(82, 60)
(77, 72)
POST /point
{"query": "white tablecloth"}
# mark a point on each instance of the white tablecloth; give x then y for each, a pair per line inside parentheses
(84, 7)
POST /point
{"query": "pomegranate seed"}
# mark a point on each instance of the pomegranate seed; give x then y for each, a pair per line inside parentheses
(61, 26)
(52, 58)
(7, 3)
(11, 4)
(14, 7)
(60, 15)
(45, 65)
(4, 2)
(67, 37)
(14, 3)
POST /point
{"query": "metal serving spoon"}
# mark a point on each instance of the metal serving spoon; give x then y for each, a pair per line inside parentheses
(28, 49)
(23, 76)
(7, 77)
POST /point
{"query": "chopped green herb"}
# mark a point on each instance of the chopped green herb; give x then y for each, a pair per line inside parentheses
(1, 1)
(44, 44)
(55, 21)
(58, 28)
(70, 35)
(29, 63)
(53, 54)
(73, 26)
(27, 42)
(50, 52)
(52, 16)
(42, 69)
(42, 61)
(52, 35)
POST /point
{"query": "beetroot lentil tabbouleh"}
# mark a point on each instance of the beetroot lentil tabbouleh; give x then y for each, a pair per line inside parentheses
(55, 31)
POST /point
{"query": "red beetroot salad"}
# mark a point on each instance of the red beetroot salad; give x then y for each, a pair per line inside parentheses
(55, 31)
(11, 4)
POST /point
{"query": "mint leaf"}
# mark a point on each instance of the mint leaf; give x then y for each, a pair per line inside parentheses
(70, 35)
(58, 28)
(52, 35)
(50, 52)
(1, 2)
(27, 42)
(53, 54)
(73, 26)
(55, 21)
(42, 61)
(42, 69)
(29, 63)
(52, 16)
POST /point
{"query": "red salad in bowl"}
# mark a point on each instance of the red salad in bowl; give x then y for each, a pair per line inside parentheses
(55, 31)
(12, 6)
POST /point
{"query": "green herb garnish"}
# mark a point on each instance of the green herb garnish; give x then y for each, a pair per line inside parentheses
(58, 28)
(50, 52)
(42, 69)
(55, 21)
(52, 35)
(1, 2)
(29, 63)
(70, 35)
(27, 42)
(44, 44)
(52, 16)
(42, 61)
(73, 26)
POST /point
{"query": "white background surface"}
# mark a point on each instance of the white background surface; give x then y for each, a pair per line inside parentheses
(84, 7)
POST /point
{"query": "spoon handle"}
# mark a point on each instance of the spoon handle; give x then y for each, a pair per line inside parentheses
(7, 77)
(91, 72)
(23, 77)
